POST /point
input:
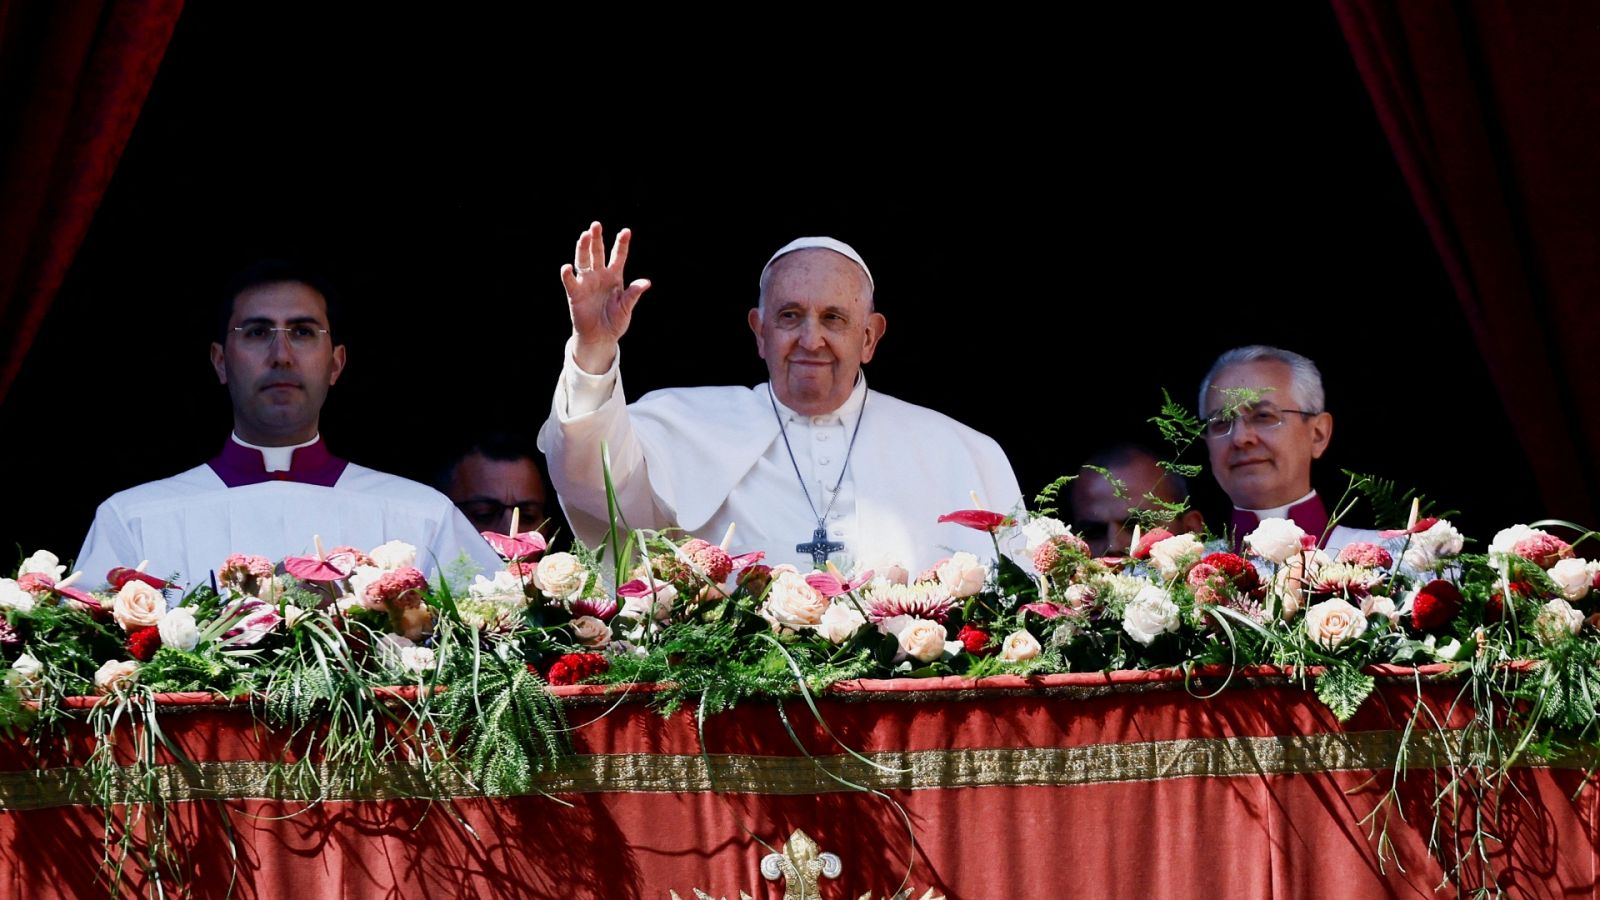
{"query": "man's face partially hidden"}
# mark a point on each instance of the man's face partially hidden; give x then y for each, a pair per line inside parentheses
(277, 384)
(817, 329)
(1263, 468)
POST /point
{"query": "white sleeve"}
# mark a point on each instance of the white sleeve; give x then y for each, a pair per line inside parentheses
(589, 412)
(109, 544)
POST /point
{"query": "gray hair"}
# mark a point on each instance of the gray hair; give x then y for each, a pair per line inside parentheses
(1304, 377)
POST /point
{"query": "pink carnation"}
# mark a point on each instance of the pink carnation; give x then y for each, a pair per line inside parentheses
(1543, 550)
(710, 559)
(1049, 554)
(238, 567)
(401, 588)
(36, 583)
(1370, 556)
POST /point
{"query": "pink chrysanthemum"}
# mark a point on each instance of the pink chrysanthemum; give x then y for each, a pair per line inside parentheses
(710, 559)
(1543, 550)
(922, 600)
(1368, 556)
(401, 588)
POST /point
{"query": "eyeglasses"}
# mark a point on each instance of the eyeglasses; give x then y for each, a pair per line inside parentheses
(484, 513)
(1259, 418)
(300, 336)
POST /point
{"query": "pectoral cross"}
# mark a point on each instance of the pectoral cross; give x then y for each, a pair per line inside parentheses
(820, 547)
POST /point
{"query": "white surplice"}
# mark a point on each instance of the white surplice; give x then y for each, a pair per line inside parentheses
(706, 458)
(189, 523)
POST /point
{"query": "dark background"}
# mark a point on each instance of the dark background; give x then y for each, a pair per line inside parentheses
(1063, 218)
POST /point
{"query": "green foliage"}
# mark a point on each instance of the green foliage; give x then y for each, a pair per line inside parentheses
(510, 727)
(1044, 503)
(172, 669)
(1391, 508)
(1343, 687)
(1566, 686)
(1178, 426)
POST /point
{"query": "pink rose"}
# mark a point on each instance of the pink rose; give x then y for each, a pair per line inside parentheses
(138, 605)
(115, 674)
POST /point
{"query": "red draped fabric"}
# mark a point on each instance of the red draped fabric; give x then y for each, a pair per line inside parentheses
(73, 77)
(1492, 109)
(1092, 785)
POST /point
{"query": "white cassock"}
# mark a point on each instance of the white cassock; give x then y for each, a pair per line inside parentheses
(189, 523)
(706, 458)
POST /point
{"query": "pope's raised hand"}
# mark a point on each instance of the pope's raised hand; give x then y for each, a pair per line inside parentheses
(600, 301)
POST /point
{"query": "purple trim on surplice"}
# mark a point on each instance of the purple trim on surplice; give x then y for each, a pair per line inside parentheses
(238, 465)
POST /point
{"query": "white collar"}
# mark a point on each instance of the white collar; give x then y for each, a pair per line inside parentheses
(845, 415)
(1278, 512)
(276, 459)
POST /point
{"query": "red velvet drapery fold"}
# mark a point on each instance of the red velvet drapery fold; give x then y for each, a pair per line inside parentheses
(1493, 111)
(73, 77)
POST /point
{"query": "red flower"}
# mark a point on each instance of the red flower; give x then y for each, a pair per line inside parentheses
(1147, 540)
(121, 575)
(974, 640)
(830, 585)
(977, 519)
(1435, 605)
(143, 643)
(1421, 526)
(710, 559)
(1241, 573)
(572, 668)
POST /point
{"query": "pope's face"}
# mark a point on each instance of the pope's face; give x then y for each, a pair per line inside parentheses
(1261, 469)
(815, 329)
(277, 384)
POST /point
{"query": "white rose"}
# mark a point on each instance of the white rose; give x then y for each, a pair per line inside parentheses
(791, 603)
(178, 629)
(394, 555)
(920, 639)
(1150, 613)
(963, 574)
(503, 589)
(114, 674)
(1574, 576)
(1332, 623)
(1427, 549)
(138, 605)
(1169, 554)
(292, 614)
(359, 580)
(1556, 621)
(418, 659)
(12, 596)
(591, 632)
(1275, 540)
(1019, 645)
(1379, 605)
(27, 668)
(561, 576)
(1038, 531)
(1506, 540)
(658, 606)
(42, 562)
(840, 622)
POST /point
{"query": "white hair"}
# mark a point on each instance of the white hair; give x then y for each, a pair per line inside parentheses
(1304, 377)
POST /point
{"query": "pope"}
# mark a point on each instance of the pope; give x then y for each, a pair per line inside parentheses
(812, 466)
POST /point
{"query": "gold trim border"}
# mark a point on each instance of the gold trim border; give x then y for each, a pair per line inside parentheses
(1147, 761)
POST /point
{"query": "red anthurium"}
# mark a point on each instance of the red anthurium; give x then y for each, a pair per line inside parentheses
(84, 597)
(523, 546)
(1421, 526)
(977, 519)
(121, 575)
(310, 568)
(829, 584)
(634, 588)
(746, 560)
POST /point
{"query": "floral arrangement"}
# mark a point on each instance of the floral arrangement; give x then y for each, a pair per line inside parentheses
(316, 643)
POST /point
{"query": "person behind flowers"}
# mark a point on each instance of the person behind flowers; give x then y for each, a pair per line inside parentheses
(1101, 513)
(274, 486)
(1265, 423)
(494, 474)
(812, 465)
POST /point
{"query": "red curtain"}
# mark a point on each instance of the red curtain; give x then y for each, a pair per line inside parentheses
(73, 77)
(1493, 112)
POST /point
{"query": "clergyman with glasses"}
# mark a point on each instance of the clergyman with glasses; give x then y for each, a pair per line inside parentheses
(274, 486)
(1265, 423)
